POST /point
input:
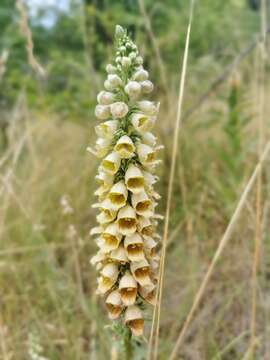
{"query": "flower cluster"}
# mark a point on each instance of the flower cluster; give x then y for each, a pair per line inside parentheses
(126, 236)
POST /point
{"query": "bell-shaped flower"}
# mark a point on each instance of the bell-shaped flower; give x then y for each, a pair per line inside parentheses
(147, 86)
(141, 272)
(102, 147)
(142, 122)
(114, 80)
(114, 304)
(105, 98)
(134, 320)
(119, 255)
(102, 112)
(128, 289)
(149, 139)
(146, 154)
(148, 107)
(142, 204)
(111, 163)
(107, 129)
(134, 179)
(140, 75)
(118, 195)
(107, 213)
(119, 110)
(133, 89)
(100, 257)
(111, 238)
(108, 278)
(145, 226)
(148, 293)
(126, 220)
(134, 247)
(124, 147)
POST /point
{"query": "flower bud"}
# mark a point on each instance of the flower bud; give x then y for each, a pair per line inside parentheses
(105, 98)
(147, 86)
(102, 112)
(140, 75)
(148, 107)
(126, 61)
(114, 80)
(119, 109)
(110, 69)
(133, 89)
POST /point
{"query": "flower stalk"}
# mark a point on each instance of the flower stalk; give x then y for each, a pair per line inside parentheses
(126, 233)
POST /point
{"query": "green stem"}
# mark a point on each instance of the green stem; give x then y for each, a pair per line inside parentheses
(128, 346)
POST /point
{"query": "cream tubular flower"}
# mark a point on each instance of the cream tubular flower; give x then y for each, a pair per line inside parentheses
(111, 163)
(127, 220)
(127, 259)
(118, 195)
(119, 109)
(124, 147)
(134, 320)
(114, 304)
(134, 179)
(128, 289)
(142, 204)
(148, 107)
(134, 247)
(119, 255)
(111, 238)
(141, 272)
(133, 89)
(142, 122)
(105, 98)
(102, 112)
(107, 129)
(108, 278)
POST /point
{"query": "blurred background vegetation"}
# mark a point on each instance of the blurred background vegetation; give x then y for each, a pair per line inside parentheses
(47, 180)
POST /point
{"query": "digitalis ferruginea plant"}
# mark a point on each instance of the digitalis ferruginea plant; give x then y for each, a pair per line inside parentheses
(127, 260)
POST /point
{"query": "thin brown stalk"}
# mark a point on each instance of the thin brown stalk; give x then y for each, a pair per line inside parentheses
(258, 221)
(26, 32)
(223, 242)
(157, 308)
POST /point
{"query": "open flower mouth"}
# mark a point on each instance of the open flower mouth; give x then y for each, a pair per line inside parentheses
(124, 147)
(128, 295)
(142, 272)
(135, 183)
(108, 165)
(135, 249)
(143, 206)
(127, 223)
(150, 157)
(142, 121)
(110, 240)
(148, 230)
(117, 199)
(136, 326)
(114, 310)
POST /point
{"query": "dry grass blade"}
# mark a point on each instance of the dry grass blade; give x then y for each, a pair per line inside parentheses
(26, 32)
(222, 244)
(157, 308)
(258, 227)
